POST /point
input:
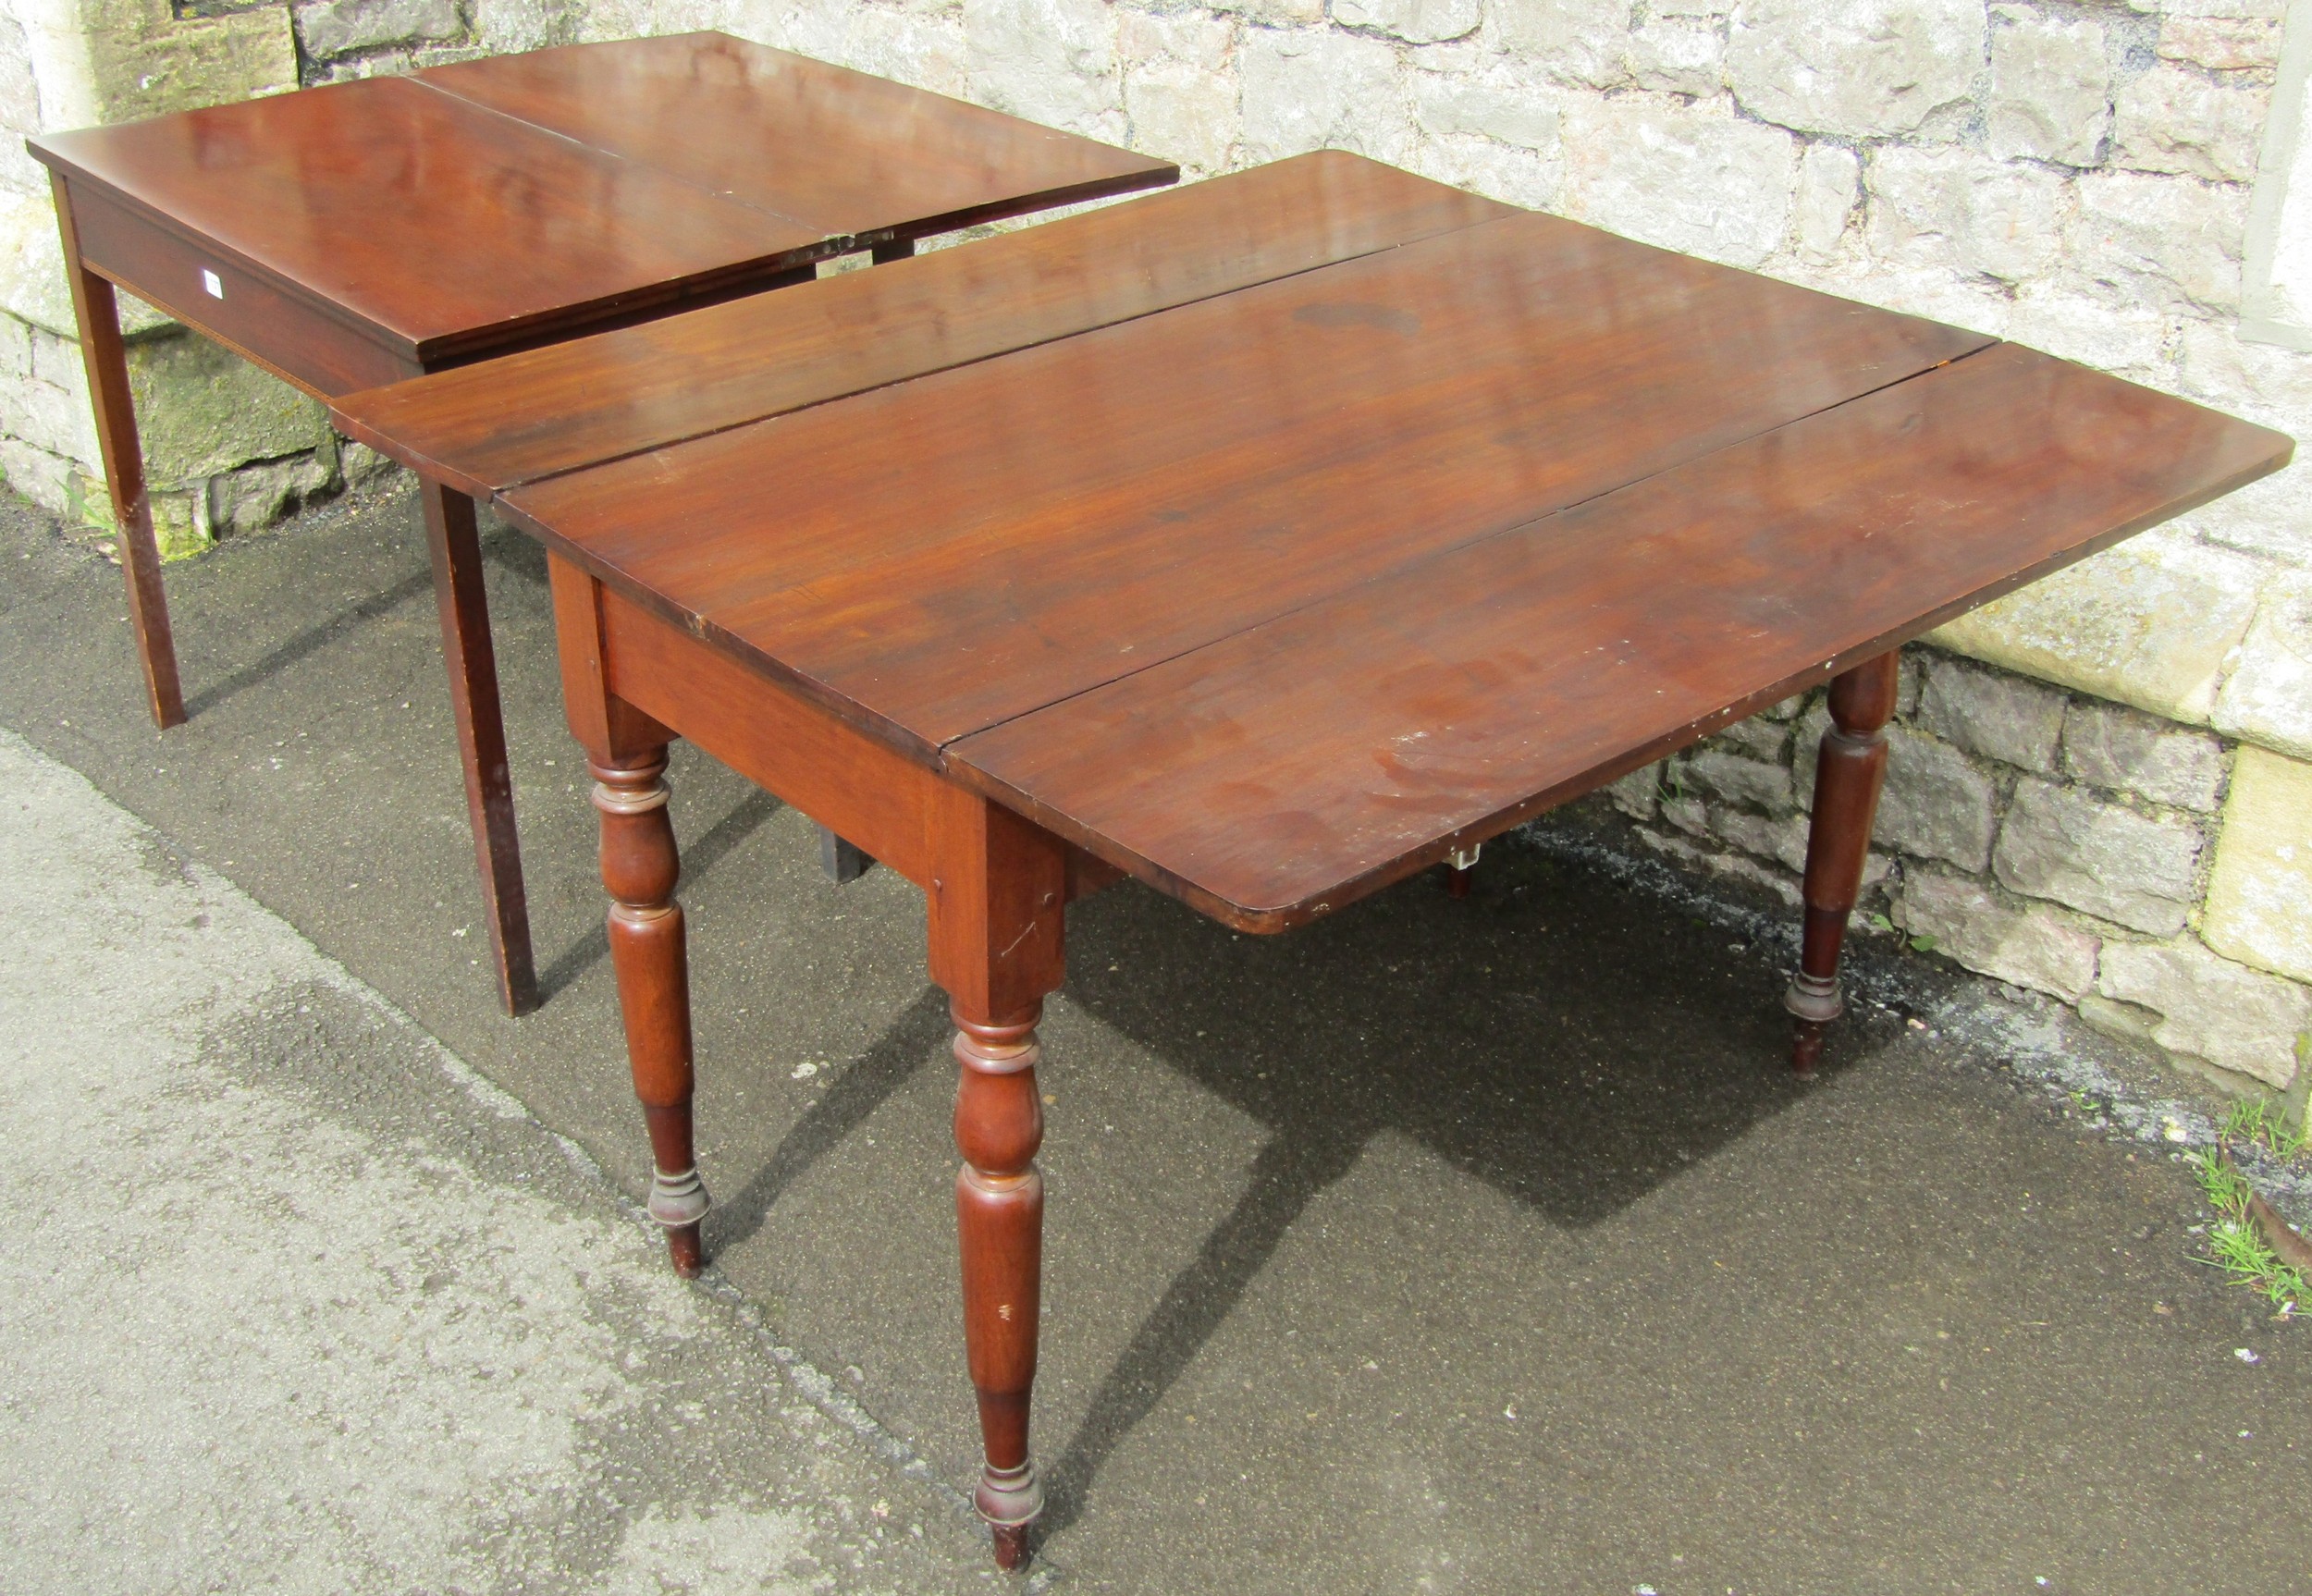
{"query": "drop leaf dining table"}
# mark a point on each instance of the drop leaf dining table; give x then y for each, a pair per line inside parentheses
(349, 235)
(1265, 541)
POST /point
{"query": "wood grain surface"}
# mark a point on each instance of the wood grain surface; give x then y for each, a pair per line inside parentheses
(492, 201)
(957, 550)
(1300, 764)
(494, 225)
(1277, 594)
(249, 311)
(490, 427)
(844, 154)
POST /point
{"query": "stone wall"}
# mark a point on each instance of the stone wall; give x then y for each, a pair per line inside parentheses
(2114, 802)
(227, 447)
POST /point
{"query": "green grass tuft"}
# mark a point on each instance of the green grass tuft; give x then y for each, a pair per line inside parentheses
(2235, 1244)
(2262, 1122)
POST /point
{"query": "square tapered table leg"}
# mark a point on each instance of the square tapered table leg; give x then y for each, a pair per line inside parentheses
(96, 311)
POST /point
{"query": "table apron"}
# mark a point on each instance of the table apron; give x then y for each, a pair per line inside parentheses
(867, 794)
(254, 317)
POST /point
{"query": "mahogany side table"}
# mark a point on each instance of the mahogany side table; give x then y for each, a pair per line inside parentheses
(1300, 529)
(350, 235)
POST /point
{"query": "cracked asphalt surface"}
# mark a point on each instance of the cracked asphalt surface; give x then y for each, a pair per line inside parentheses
(1475, 1247)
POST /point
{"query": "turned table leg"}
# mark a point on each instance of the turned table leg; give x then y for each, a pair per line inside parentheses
(626, 752)
(998, 894)
(999, 1223)
(639, 868)
(96, 310)
(1848, 777)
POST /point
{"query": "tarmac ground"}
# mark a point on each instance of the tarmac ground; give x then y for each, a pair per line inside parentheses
(1478, 1246)
(293, 1300)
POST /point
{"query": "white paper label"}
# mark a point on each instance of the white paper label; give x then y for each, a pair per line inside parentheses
(214, 283)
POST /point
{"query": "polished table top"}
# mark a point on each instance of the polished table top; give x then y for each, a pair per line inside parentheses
(461, 204)
(362, 232)
(1343, 520)
(544, 411)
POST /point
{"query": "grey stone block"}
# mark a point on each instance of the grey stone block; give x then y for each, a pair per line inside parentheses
(514, 25)
(1829, 184)
(364, 467)
(1417, 21)
(16, 349)
(1638, 793)
(202, 410)
(1862, 72)
(2051, 87)
(49, 418)
(1756, 834)
(1936, 806)
(2068, 846)
(2032, 947)
(1998, 715)
(1741, 781)
(2132, 752)
(1757, 738)
(1731, 865)
(1807, 751)
(42, 477)
(2210, 1008)
(1784, 842)
(1688, 813)
(256, 497)
(2269, 697)
(2198, 124)
(335, 27)
(1633, 162)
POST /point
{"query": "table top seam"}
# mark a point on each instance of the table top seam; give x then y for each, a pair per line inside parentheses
(396, 341)
(1398, 572)
(771, 416)
(673, 176)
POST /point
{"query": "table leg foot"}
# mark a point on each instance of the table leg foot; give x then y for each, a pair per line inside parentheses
(1848, 777)
(1806, 1046)
(678, 1201)
(1812, 1003)
(844, 862)
(1011, 1545)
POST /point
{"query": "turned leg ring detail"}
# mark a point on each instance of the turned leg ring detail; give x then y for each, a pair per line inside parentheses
(1813, 997)
(679, 1199)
